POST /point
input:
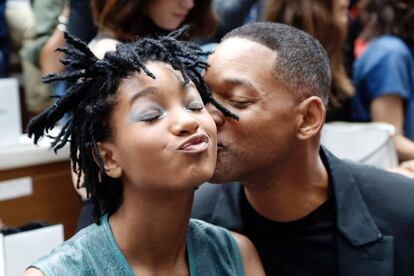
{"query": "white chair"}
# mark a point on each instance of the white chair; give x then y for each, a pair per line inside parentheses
(367, 143)
(18, 251)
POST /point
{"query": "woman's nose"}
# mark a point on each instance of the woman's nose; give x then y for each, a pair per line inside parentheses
(184, 124)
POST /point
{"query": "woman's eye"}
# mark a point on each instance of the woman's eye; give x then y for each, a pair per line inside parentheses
(195, 106)
(150, 116)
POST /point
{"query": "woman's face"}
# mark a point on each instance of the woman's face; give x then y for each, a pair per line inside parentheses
(169, 14)
(163, 137)
(342, 7)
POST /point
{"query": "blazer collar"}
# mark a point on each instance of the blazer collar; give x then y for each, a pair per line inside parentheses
(354, 220)
(227, 210)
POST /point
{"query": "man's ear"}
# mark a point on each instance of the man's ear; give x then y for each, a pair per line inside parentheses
(312, 117)
(109, 159)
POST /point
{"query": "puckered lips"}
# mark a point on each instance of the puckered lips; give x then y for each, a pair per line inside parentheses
(195, 143)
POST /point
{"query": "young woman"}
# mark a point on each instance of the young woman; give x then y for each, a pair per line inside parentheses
(140, 134)
(121, 21)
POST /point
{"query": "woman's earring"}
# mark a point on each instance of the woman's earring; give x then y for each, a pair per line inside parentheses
(99, 177)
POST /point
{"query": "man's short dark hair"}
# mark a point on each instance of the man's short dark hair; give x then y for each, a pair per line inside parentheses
(302, 64)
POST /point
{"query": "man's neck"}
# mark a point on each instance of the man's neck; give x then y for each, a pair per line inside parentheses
(291, 193)
(151, 231)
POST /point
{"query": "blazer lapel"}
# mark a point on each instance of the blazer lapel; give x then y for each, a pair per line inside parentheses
(227, 211)
(376, 258)
(361, 248)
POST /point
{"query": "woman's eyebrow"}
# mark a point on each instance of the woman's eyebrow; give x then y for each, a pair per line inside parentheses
(142, 93)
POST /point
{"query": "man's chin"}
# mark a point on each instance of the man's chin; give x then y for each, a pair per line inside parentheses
(220, 177)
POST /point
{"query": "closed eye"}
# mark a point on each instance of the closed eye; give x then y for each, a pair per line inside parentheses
(195, 106)
(240, 104)
(150, 116)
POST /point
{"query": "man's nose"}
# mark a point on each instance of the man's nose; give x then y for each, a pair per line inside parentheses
(217, 115)
(184, 124)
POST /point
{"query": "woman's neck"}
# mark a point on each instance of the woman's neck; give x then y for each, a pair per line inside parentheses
(151, 229)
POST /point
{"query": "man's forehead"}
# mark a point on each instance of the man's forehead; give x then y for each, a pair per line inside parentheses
(240, 50)
(239, 62)
(241, 45)
(240, 55)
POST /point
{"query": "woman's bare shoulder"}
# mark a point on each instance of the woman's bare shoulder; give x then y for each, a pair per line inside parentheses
(251, 262)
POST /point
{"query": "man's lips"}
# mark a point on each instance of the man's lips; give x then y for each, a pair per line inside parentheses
(195, 143)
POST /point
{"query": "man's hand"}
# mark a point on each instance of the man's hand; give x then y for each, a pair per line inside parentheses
(408, 165)
(406, 168)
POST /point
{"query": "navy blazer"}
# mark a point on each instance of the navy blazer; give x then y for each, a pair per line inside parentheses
(374, 216)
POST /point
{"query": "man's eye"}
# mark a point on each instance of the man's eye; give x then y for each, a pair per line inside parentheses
(195, 106)
(240, 103)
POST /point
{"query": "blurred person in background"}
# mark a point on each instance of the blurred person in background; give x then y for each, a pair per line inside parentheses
(123, 21)
(384, 70)
(38, 53)
(4, 42)
(327, 21)
(49, 58)
(232, 14)
(80, 20)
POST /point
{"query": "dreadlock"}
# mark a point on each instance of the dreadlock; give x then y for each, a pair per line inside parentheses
(89, 102)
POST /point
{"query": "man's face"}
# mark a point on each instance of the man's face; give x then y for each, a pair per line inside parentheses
(240, 77)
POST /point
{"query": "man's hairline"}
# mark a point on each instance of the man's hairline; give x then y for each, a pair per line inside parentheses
(281, 81)
(273, 72)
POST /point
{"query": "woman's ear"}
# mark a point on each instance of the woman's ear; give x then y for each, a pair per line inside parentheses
(109, 159)
(312, 111)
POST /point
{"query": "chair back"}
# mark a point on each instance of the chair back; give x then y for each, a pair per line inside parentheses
(367, 143)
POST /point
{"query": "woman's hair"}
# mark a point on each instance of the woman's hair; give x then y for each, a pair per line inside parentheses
(320, 19)
(394, 17)
(90, 101)
(129, 19)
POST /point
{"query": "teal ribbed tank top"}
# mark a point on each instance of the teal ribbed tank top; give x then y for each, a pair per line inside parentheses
(211, 250)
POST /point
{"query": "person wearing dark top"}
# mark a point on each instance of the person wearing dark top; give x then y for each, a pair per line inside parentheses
(295, 247)
(4, 41)
(307, 212)
(231, 14)
(80, 23)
